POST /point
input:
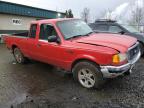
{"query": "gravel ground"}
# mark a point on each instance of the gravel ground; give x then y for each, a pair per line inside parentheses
(37, 85)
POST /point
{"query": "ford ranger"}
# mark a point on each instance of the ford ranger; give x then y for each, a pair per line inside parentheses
(70, 44)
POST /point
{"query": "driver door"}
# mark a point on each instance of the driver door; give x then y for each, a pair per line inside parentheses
(48, 52)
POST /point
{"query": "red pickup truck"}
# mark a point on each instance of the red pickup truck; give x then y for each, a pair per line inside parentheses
(71, 45)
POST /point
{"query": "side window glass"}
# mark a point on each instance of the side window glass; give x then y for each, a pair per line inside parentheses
(33, 31)
(93, 26)
(103, 28)
(114, 29)
(46, 30)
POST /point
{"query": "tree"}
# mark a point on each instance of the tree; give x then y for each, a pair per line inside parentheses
(85, 15)
(137, 16)
(101, 15)
(69, 14)
(66, 13)
(108, 15)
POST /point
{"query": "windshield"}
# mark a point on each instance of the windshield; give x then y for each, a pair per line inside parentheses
(74, 28)
(130, 28)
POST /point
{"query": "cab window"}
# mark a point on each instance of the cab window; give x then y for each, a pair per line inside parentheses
(103, 28)
(47, 30)
(33, 29)
(114, 29)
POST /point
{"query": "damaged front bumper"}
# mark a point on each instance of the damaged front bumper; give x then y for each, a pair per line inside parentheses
(114, 71)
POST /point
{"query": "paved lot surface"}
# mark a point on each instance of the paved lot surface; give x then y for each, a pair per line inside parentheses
(36, 84)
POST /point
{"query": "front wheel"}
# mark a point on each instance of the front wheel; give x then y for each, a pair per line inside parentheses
(88, 74)
(19, 57)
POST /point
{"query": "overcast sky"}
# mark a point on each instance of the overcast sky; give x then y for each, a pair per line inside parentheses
(96, 6)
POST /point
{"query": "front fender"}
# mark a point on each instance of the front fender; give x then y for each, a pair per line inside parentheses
(99, 59)
(84, 57)
(88, 57)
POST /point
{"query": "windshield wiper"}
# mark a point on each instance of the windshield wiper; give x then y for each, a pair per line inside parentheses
(75, 36)
(88, 34)
(80, 35)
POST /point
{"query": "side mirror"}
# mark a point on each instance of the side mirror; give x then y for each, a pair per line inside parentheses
(53, 38)
(96, 31)
(122, 32)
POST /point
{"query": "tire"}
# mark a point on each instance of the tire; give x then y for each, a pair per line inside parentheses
(88, 75)
(141, 49)
(19, 57)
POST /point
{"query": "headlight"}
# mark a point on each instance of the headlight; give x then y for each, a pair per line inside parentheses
(118, 58)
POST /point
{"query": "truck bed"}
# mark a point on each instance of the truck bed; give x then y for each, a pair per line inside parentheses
(24, 34)
(16, 39)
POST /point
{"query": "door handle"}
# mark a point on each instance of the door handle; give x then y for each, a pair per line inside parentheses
(39, 45)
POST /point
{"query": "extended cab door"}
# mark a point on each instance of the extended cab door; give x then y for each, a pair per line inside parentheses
(33, 41)
(49, 52)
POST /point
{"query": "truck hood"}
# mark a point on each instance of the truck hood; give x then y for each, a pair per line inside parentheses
(118, 42)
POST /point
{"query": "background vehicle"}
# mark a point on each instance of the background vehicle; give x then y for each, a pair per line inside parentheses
(0, 38)
(71, 45)
(109, 26)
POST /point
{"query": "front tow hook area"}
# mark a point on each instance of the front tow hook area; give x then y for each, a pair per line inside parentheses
(132, 68)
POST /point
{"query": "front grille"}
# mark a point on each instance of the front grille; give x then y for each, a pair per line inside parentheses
(133, 52)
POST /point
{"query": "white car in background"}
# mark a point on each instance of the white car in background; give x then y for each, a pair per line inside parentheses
(1, 38)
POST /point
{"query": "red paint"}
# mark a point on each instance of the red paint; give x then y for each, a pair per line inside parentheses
(98, 48)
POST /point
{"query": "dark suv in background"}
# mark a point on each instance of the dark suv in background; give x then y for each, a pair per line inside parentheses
(109, 26)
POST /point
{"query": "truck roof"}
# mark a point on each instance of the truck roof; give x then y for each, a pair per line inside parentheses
(105, 20)
(52, 20)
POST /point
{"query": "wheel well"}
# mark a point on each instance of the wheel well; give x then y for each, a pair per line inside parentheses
(82, 60)
(13, 47)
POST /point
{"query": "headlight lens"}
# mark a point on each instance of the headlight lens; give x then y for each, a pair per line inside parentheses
(118, 58)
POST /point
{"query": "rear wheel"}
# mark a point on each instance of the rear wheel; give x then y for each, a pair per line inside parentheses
(88, 75)
(19, 57)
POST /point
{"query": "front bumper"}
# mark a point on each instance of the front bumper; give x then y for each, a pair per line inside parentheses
(114, 71)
